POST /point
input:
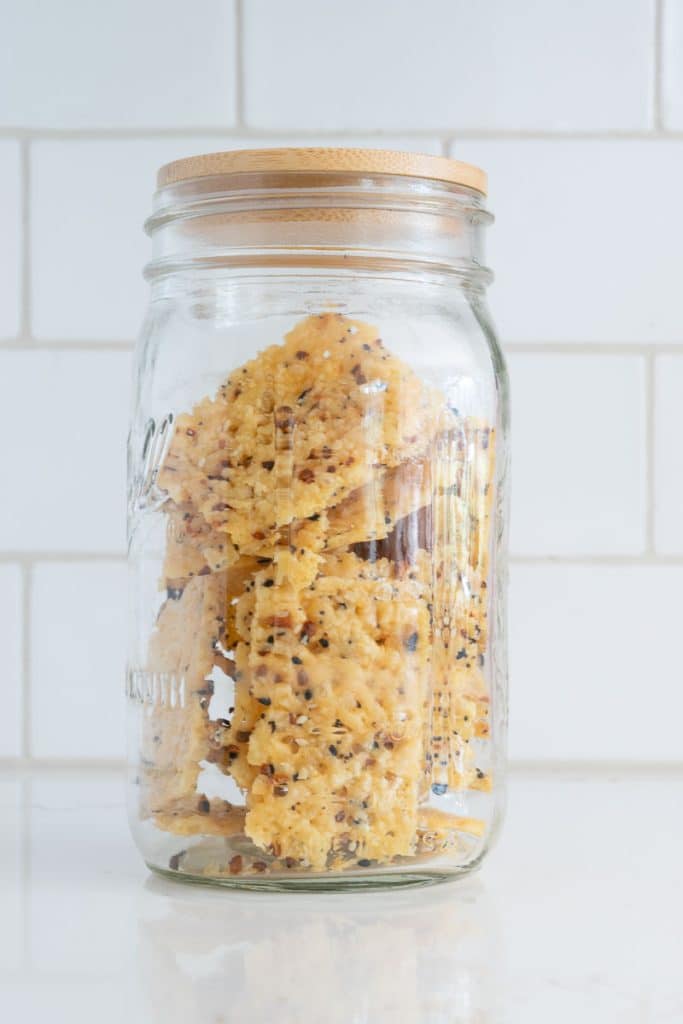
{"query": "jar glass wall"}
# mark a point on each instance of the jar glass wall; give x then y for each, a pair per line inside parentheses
(317, 488)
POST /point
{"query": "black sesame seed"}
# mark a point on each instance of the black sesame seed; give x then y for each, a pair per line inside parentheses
(296, 661)
(269, 583)
(265, 701)
(364, 863)
(332, 749)
(324, 642)
(410, 643)
(174, 862)
(308, 694)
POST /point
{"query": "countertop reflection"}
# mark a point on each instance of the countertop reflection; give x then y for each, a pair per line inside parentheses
(408, 956)
(575, 916)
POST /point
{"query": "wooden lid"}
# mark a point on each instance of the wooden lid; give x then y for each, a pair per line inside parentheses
(324, 160)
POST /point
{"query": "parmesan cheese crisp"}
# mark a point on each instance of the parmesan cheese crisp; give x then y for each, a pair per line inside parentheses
(327, 552)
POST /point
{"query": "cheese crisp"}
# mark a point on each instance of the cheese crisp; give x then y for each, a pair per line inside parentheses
(327, 555)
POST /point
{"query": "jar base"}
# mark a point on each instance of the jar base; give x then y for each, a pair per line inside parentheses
(333, 882)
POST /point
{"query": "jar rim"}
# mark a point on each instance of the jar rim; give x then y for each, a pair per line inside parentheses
(324, 160)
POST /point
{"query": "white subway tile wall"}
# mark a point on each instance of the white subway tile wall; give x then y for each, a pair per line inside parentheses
(80, 65)
(672, 65)
(587, 237)
(668, 469)
(97, 194)
(10, 238)
(11, 642)
(576, 111)
(595, 659)
(79, 617)
(449, 65)
(579, 454)
(63, 421)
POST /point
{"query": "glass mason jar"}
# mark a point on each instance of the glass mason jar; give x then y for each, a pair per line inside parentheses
(317, 494)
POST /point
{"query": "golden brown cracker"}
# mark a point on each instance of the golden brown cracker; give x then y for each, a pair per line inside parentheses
(338, 744)
(217, 819)
(182, 654)
(192, 547)
(297, 429)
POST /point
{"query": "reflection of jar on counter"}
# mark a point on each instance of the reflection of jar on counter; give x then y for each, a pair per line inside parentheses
(318, 466)
(412, 958)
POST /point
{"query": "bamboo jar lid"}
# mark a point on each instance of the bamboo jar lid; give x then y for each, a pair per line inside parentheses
(324, 160)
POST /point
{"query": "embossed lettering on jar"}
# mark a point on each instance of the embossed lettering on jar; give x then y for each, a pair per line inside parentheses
(317, 496)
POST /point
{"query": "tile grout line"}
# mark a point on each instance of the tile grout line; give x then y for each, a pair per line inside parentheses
(25, 272)
(65, 764)
(24, 341)
(27, 559)
(603, 348)
(239, 63)
(633, 561)
(557, 766)
(515, 766)
(26, 689)
(446, 136)
(657, 91)
(574, 348)
(650, 454)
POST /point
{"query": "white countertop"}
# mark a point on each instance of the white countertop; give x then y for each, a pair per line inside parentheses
(577, 916)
